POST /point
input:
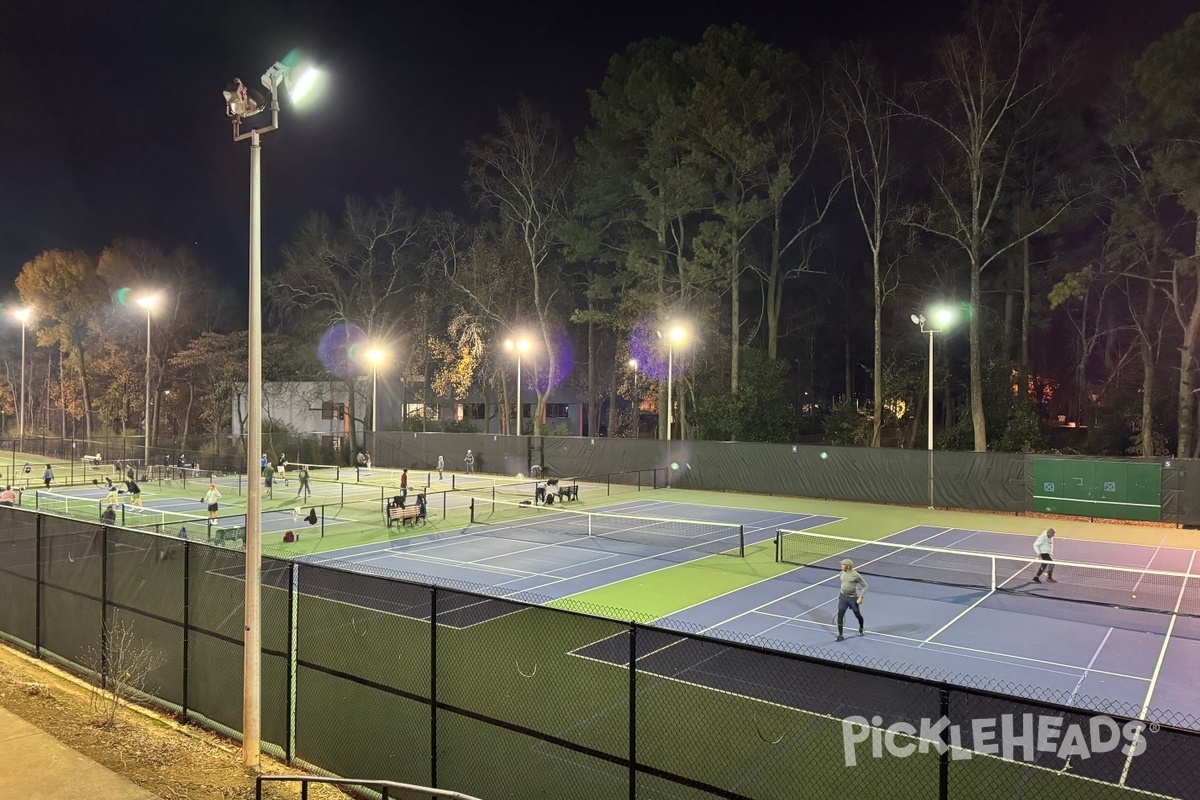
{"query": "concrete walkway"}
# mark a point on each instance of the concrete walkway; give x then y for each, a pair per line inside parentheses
(36, 766)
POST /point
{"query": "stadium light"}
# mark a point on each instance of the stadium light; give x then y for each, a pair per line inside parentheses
(374, 355)
(242, 102)
(148, 302)
(674, 337)
(519, 346)
(23, 315)
(942, 318)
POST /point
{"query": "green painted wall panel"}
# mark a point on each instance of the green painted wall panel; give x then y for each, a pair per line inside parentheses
(1106, 489)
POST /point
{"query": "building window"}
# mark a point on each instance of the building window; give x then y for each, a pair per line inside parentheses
(556, 411)
(473, 411)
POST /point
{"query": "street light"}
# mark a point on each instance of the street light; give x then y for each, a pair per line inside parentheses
(374, 355)
(637, 407)
(518, 347)
(242, 102)
(148, 302)
(23, 315)
(942, 317)
(675, 336)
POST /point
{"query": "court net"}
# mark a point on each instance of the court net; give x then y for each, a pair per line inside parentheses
(665, 535)
(1122, 587)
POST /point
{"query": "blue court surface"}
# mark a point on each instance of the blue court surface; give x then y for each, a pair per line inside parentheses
(1064, 649)
(521, 558)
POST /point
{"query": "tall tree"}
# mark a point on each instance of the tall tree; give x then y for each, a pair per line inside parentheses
(863, 120)
(994, 82)
(1170, 129)
(522, 173)
(66, 291)
(361, 272)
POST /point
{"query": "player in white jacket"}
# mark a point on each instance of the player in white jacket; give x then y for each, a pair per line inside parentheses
(1044, 547)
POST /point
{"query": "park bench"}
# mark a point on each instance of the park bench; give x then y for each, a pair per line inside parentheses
(236, 533)
(406, 515)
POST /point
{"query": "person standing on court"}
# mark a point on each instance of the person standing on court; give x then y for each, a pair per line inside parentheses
(269, 480)
(135, 493)
(48, 476)
(281, 468)
(211, 498)
(470, 462)
(441, 467)
(303, 483)
(1044, 547)
(404, 482)
(850, 596)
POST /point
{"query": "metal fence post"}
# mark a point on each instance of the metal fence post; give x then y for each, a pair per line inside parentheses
(37, 604)
(187, 577)
(944, 756)
(632, 710)
(104, 607)
(290, 709)
(433, 604)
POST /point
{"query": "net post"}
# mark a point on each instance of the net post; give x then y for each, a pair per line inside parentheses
(609, 481)
(994, 585)
(322, 520)
(741, 541)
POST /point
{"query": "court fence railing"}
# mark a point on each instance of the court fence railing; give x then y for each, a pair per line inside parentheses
(381, 675)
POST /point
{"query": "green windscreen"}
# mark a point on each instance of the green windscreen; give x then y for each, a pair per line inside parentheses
(1108, 489)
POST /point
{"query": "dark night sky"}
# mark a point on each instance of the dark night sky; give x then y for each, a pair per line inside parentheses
(112, 123)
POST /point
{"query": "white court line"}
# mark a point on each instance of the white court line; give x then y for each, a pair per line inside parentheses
(968, 652)
(1162, 654)
(863, 543)
(512, 573)
(1088, 668)
(972, 607)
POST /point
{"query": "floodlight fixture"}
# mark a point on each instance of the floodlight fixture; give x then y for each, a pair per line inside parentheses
(942, 317)
(375, 355)
(520, 345)
(22, 314)
(241, 101)
(147, 301)
(633, 364)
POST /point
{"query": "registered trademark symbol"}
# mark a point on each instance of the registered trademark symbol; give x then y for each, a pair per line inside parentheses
(1154, 727)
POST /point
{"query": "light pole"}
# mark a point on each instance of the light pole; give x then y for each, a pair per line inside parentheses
(147, 301)
(374, 355)
(637, 406)
(675, 336)
(942, 317)
(518, 347)
(242, 102)
(23, 315)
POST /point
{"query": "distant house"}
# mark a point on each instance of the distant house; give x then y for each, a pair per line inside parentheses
(311, 407)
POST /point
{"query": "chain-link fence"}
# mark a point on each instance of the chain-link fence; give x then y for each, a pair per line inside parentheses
(373, 675)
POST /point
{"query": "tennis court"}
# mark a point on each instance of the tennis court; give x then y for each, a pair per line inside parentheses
(932, 612)
(168, 513)
(524, 549)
